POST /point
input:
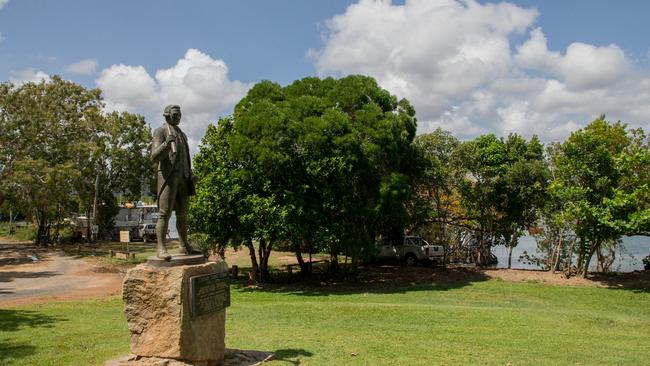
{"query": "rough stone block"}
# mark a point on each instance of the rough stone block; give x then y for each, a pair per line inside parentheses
(158, 312)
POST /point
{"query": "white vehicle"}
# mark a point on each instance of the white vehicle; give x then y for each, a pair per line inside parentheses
(411, 250)
(147, 232)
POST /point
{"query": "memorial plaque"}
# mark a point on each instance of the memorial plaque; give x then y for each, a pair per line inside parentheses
(209, 293)
(124, 236)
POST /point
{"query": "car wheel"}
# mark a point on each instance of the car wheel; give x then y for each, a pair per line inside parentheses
(144, 238)
(410, 260)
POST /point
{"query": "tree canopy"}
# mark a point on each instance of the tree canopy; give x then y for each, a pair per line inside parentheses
(321, 164)
(55, 142)
(602, 177)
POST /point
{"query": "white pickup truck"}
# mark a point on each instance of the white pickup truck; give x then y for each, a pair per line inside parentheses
(147, 232)
(411, 250)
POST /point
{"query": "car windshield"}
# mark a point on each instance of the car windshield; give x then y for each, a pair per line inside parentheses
(416, 241)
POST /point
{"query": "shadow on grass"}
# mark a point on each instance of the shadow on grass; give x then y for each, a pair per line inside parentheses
(15, 320)
(293, 356)
(16, 254)
(10, 276)
(15, 261)
(637, 281)
(13, 351)
(370, 279)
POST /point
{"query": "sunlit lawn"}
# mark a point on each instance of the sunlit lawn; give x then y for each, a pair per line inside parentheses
(470, 323)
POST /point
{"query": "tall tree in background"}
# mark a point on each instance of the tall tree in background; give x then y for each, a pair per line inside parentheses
(602, 173)
(436, 200)
(54, 139)
(505, 185)
(45, 145)
(521, 190)
(122, 164)
(554, 235)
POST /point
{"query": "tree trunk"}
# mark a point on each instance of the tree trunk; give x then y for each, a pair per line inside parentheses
(605, 261)
(301, 261)
(581, 255)
(266, 274)
(570, 258)
(592, 250)
(261, 250)
(334, 259)
(483, 255)
(264, 252)
(556, 254)
(251, 252)
(509, 256)
(599, 260)
(41, 221)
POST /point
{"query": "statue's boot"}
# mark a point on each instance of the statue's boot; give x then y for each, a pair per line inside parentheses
(187, 249)
(162, 253)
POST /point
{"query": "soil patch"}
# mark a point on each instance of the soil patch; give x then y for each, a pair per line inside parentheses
(31, 275)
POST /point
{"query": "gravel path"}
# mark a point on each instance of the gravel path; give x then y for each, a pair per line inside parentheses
(54, 276)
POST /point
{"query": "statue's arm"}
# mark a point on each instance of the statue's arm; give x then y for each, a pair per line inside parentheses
(160, 146)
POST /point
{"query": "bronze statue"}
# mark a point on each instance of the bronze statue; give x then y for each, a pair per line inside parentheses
(175, 179)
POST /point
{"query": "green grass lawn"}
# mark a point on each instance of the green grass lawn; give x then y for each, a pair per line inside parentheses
(19, 233)
(470, 323)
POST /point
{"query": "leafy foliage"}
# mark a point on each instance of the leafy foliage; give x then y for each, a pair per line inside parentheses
(55, 142)
(602, 176)
(322, 164)
(490, 187)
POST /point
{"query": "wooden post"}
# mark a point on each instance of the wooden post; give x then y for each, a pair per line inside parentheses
(125, 238)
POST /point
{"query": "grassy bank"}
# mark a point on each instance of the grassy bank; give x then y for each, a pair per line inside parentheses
(482, 322)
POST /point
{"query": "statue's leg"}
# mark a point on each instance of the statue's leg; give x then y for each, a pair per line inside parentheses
(165, 205)
(181, 207)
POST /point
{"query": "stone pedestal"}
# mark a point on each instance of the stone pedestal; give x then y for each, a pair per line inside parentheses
(158, 308)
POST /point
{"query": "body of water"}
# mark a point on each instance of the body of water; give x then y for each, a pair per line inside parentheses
(629, 255)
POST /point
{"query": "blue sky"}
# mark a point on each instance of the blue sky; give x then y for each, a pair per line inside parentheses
(542, 67)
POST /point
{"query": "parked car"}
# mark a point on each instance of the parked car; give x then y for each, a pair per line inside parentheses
(410, 250)
(147, 232)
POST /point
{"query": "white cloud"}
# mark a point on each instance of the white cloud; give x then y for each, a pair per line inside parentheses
(28, 76)
(587, 67)
(83, 67)
(454, 60)
(198, 83)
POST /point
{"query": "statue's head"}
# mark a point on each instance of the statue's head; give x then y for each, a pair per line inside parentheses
(172, 114)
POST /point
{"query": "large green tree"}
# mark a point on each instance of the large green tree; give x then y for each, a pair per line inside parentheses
(55, 142)
(521, 190)
(504, 186)
(435, 204)
(321, 163)
(602, 175)
(121, 164)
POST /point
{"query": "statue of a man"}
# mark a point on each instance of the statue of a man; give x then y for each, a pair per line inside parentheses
(175, 179)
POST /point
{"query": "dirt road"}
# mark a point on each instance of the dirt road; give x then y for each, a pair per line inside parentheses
(29, 275)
